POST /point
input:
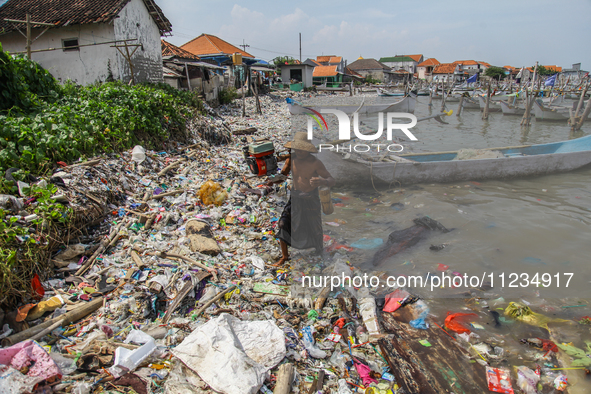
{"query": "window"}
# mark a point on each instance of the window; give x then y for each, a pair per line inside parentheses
(70, 44)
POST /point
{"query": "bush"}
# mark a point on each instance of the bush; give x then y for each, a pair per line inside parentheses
(24, 84)
(226, 96)
(44, 122)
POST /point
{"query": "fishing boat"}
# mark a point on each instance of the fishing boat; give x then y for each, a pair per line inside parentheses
(493, 106)
(511, 109)
(441, 167)
(405, 104)
(544, 112)
(384, 92)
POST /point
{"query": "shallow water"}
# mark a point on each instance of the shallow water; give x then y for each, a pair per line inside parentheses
(531, 226)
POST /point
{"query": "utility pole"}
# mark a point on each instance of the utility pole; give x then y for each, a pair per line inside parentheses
(28, 36)
(244, 45)
(300, 47)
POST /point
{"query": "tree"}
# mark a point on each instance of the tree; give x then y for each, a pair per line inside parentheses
(281, 60)
(544, 71)
(495, 72)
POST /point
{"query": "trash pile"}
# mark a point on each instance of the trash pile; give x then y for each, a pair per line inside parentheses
(174, 290)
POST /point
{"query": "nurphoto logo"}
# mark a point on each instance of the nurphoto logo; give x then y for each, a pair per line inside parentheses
(345, 123)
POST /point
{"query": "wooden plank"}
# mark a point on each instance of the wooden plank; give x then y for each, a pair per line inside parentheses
(444, 367)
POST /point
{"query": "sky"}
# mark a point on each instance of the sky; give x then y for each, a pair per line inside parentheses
(500, 32)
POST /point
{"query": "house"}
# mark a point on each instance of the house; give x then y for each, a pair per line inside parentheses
(574, 73)
(472, 66)
(183, 70)
(447, 72)
(80, 46)
(372, 68)
(312, 62)
(425, 69)
(297, 73)
(208, 46)
(408, 63)
(332, 61)
(328, 76)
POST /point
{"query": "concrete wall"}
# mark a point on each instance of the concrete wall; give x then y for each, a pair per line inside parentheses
(134, 21)
(307, 74)
(85, 66)
(408, 66)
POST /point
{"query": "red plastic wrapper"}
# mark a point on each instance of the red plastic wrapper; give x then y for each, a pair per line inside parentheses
(451, 322)
(499, 380)
(394, 299)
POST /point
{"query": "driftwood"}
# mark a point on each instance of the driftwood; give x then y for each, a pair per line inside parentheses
(170, 167)
(67, 318)
(319, 303)
(247, 131)
(165, 255)
(86, 163)
(101, 248)
(172, 193)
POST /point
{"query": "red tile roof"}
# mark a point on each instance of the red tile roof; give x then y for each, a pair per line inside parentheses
(466, 62)
(325, 71)
(352, 72)
(335, 60)
(172, 50)
(323, 59)
(445, 68)
(429, 62)
(416, 58)
(206, 44)
(73, 12)
(553, 68)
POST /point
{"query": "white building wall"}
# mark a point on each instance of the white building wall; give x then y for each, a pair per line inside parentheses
(85, 66)
(134, 21)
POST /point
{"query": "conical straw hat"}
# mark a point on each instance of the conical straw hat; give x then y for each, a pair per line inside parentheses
(300, 142)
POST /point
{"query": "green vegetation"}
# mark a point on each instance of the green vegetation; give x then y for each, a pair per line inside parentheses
(24, 250)
(544, 71)
(226, 96)
(42, 122)
(371, 80)
(495, 72)
(281, 60)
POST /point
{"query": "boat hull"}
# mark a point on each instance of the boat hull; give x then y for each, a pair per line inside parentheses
(446, 170)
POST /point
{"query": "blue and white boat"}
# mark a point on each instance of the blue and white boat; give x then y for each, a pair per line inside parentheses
(441, 167)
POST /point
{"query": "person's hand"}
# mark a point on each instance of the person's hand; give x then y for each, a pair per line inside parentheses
(317, 181)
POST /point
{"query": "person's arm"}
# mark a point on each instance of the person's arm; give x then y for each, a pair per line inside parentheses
(286, 167)
(324, 179)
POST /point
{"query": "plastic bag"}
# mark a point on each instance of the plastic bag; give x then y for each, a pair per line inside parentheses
(343, 387)
(451, 322)
(212, 193)
(560, 382)
(368, 243)
(524, 314)
(527, 380)
(309, 344)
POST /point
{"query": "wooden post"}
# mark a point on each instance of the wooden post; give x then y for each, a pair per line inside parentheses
(244, 93)
(284, 379)
(585, 114)
(460, 106)
(485, 112)
(525, 121)
(256, 95)
(431, 96)
(29, 41)
(581, 99)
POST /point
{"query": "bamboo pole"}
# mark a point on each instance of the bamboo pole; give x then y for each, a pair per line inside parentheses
(66, 318)
(460, 106)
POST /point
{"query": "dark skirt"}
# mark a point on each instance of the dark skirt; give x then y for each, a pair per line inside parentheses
(300, 225)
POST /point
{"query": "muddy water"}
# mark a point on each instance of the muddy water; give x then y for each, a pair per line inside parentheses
(527, 226)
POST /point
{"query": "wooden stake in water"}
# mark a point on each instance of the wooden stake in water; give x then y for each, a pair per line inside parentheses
(485, 112)
(460, 105)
